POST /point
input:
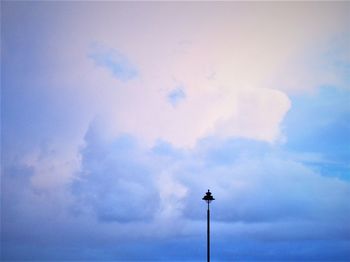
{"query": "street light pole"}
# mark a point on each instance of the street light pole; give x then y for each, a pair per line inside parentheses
(208, 234)
(208, 198)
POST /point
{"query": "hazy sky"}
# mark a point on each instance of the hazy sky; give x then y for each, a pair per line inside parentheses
(117, 117)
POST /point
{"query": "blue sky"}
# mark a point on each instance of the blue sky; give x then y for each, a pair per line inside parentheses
(116, 118)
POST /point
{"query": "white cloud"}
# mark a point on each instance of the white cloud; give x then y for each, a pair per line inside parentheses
(235, 61)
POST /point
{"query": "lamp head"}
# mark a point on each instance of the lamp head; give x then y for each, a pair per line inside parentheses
(208, 197)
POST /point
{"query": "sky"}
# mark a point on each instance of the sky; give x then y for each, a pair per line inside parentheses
(117, 117)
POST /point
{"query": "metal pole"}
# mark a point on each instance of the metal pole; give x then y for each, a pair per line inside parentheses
(208, 234)
(208, 198)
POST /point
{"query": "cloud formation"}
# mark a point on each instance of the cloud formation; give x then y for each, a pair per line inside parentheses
(110, 175)
(117, 117)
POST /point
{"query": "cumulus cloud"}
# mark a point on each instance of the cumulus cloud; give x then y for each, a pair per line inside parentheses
(270, 189)
(115, 181)
(234, 68)
(124, 192)
(113, 134)
(257, 184)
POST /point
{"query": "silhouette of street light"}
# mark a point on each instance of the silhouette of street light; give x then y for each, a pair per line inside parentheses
(208, 198)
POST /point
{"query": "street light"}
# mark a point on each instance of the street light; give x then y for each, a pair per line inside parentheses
(208, 198)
